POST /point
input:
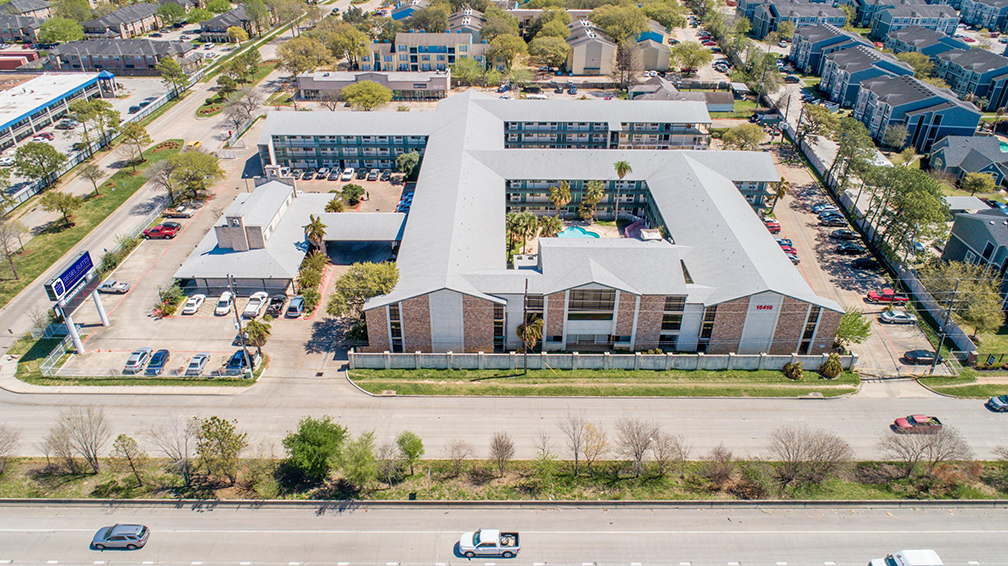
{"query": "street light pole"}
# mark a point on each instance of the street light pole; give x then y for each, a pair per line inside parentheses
(941, 339)
(241, 335)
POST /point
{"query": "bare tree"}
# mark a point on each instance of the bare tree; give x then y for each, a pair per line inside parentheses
(668, 451)
(88, 431)
(176, 440)
(457, 451)
(543, 444)
(596, 445)
(390, 462)
(248, 99)
(807, 456)
(129, 153)
(235, 115)
(719, 466)
(330, 100)
(502, 449)
(9, 437)
(906, 450)
(11, 232)
(126, 450)
(947, 445)
(573, 427)
(39, 317)
(1002, 453)
(57, 443)
(635, 437)
(163, 175)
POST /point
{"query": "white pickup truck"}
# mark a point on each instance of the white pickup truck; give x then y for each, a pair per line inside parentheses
(909, 558)
(489, 542)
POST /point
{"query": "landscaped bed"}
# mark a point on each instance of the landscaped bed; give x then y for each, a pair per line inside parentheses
(599, 383)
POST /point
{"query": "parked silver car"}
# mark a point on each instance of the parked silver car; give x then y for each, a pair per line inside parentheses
(137, 360)
(130, 537)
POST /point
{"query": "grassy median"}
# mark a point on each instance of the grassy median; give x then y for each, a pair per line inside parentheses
(967, 386)
(600, 383)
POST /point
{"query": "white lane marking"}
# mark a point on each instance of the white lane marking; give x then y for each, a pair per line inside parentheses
(148, 561)
(293, 564)
(348, 564)
(244, 563)
(391, 564)
(196, 563)
(974, 562)
(564, 533)
(99, 561)
(5, 561)
(587, 563)
(538, 564)
(680, 564)
(53, 562)
(782, 564)
(733, 564)
(830, 563)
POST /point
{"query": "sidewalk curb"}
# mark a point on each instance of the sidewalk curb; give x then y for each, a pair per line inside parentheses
(344, 504)
(940, 394)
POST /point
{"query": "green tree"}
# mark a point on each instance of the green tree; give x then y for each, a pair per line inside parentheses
(550, 226)
(361, 282)
(411, 446)
(977, 183)
(407, 162)
(507, 48)
(977, 299)
(554, 28)
(172, 74)
(746, 137)
(135, 134)
(619, 22)
(60, 30)
(198, 16)
(314, 231)
(218, 6)
(366, 95)
(466, 71)
(497, 22)
(922, 65)
(430, 20)
(352, 194)
(170, 12)
(785, 30)
(550, 51)
(854, 328)
(895, 137)
(258, 333)
(549, 16)
(907, 205)
(690, 55)
(219, 446)
(37, 160)
(667, 14)
(237, 34)
(334, 205)
(560, 196)
(194, 171)
(259, 14)
(525, 225)
(593, 194)
(314, 449)
(76, 10)
(817, 122)
(855, 151)
(128, 452)
(530, 333)
(303, 55)
(359, 463)
(348, 42)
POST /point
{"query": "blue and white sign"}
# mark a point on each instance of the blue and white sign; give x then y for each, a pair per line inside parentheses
(73, 274)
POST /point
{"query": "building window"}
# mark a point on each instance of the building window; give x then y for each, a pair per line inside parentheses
(591, 300)
(810, 326)
(498, 326)
(707, 327)
(395, 328)
(534, 304)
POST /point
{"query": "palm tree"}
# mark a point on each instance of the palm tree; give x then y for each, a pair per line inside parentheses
(316, 260)
(528, 225)
(782, 189)
(335, 205)
(314, 231)
(258, 333)
(593, 195)
(530, 334)
(550, 226)
(560, 196)
(511, 226)
(622, 168)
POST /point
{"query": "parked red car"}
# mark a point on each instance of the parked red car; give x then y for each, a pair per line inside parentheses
(789, 250)
(46, 135)
(708, 43)
(915, 424)
(166, 230)
(774, 227)
(886, 296)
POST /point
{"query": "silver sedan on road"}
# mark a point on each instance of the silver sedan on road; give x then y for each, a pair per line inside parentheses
(130, 537)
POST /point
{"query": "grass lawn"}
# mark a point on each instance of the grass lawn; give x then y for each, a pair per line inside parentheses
(598, 383)
(743, 110)
(51, 244)
(967, 386)
(280, 98)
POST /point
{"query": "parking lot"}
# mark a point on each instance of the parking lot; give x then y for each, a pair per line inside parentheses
(191, 33)
(380, 196)
(831, 275)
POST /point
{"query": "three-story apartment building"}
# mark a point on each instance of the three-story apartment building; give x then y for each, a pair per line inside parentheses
(812, 43)
(844, 71)
(975, 73)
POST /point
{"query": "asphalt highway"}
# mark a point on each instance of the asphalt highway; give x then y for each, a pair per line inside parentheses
(589, 536)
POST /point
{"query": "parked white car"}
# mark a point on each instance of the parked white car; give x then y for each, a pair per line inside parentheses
(347, 174)
(194, 303)
(256, 304)
(223, 304)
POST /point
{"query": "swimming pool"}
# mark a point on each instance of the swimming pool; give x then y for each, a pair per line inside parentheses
(1004, 147)
(576, 232)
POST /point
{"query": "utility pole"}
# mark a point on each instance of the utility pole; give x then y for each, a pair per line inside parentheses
(941, 339)
(241, 334)
(524, 327)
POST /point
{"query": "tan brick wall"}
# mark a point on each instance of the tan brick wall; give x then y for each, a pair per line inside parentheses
(727, 332)
(477, 324)
(554, 314)
(416, 324)
(377, 331)
(829, 321)
(649, 318)
(625, 313)
(790, 325)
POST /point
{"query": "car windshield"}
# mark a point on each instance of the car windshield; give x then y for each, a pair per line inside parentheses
(476, 539)
(143, 531)
(222, 303)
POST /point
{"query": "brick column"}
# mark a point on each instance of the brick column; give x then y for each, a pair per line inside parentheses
(416, 324)
(728, 322)
(377, 330)
(477, 324)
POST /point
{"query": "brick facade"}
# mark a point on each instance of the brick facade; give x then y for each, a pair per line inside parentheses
(555, 314)
(477, 324)
(728, 322)
(829, 322)
(649, 321)
(377, 331)
(416, 324)
(625, 313)
(790, 324)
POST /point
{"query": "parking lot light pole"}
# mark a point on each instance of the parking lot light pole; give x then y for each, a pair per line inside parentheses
(241, 335)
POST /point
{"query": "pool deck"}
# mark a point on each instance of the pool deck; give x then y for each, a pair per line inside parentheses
(532, 246)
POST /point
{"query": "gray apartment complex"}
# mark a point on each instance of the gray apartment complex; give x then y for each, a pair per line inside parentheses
(844, 71)
(771, 13)
(812, 43)
(975, 73)
(937, 17)
(922, 40)
(985, 14)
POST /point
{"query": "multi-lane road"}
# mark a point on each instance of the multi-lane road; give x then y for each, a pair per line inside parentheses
(585, 536)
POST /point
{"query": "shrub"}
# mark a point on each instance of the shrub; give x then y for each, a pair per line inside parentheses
(309, 278)
(793, 371)
(311, 298)
(209, 101)
(171, 298)
(352, 194)
(831, 367)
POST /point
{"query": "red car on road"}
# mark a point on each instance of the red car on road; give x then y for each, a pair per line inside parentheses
(886, 296)
(166, 230)
(916, 424)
